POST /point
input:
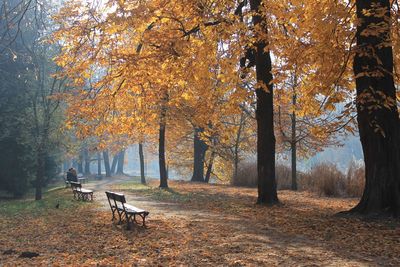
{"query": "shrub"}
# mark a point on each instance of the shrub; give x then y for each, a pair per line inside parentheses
(326, 179)
(246, 176)
(355, 180)
(283, 175)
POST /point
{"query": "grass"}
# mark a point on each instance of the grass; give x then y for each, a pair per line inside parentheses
(56, 195)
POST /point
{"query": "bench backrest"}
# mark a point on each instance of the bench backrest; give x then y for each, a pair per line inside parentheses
(116, 196)
(75, 185)
(116, 200)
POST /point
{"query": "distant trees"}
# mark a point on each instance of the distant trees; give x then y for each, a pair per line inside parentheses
(30, 123)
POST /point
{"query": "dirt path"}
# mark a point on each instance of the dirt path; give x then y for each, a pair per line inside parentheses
(237, 237)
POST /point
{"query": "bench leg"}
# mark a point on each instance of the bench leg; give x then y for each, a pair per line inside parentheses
(143, 220)
(128, 221)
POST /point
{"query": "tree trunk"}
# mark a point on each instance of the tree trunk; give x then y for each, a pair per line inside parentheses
(293, 145)
(107, 163)
(267, 193)
(87, 161)
(98, 165)
(120, 164)
(114, 163)
(80, 163)
(237, 146)
(141, 157)
(377, 114)
(39, 173)
(235, 165)
(199, 152)
(161, 157)
(209, 167)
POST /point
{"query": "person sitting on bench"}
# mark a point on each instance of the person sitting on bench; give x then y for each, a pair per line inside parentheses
(71, 175)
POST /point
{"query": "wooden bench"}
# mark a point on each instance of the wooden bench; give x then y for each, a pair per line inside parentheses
(125, 211)
(81, 193)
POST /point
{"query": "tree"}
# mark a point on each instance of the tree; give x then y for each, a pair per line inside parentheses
(199, 153)
(267, 192)
(377, 112)
(120, 162)
(25, 25)
(107, 163)
(141, 156)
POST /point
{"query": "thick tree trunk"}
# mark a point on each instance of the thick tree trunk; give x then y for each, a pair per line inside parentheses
(267, 193)
(199, 152)
(120, 164)
(293, 145)
(209, 167)
(87, 161)
(107, 163)
(161, 157)
(141, 157)
(377, 114)
(114, 163)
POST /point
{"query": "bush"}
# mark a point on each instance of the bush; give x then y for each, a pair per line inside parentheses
(246, 176)
(326, 179)
(355, 180)
(283, 176)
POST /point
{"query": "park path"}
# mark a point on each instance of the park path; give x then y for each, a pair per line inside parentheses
(239, 239)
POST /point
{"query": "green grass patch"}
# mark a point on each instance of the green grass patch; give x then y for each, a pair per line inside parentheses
(62, 197)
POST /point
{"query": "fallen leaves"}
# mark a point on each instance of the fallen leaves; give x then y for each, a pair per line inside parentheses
(219, 226)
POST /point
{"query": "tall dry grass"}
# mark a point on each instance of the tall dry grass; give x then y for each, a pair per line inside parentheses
(324, 179)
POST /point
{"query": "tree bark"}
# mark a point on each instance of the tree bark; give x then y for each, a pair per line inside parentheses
(293, 145)
(209, 167)
(114, 163)
(267, 191)
(161, 157)
(236, 159)
(107, 163)
(120, 163)
(87, 161)
(39, 173)
(378, 125)
(199, 152)
(141, 157)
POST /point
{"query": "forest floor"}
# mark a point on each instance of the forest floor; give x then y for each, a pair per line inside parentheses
(193, 224)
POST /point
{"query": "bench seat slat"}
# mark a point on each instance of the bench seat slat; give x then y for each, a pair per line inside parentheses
(133, 209)
(86, 191)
